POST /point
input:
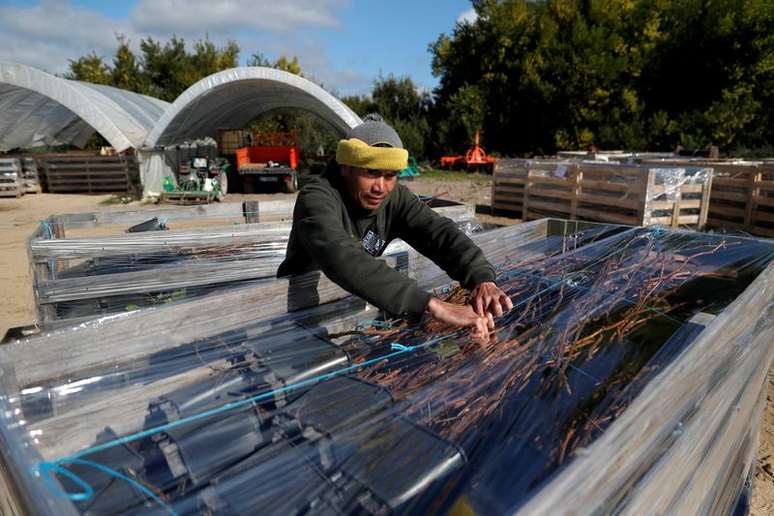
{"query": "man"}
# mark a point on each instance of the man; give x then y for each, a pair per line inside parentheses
(345, 219)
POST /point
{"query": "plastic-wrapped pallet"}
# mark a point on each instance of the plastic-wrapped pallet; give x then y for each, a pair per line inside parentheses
(85, 276)
(628, 378)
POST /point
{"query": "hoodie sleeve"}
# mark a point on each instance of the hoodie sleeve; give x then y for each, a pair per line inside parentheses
(441, 240)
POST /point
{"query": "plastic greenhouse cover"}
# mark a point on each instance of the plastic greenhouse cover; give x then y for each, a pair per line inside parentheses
(234, 97)
(42, 109)
(332, 409)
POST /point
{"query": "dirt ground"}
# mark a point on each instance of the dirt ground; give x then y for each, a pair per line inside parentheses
(19, 217)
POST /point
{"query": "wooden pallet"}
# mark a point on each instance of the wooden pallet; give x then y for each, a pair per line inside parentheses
(11, 184)
(617, 194)
(30, 175)
(508, 182)
(742, 197)
(89, 174)
(743, 200)
(187, 198)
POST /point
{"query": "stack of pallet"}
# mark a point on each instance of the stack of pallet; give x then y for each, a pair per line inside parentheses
(30, 175)
(742, 196)
(89, 174)
(11, 182)
(622, 194)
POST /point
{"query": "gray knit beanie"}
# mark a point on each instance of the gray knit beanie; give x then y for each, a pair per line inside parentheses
(376, 133)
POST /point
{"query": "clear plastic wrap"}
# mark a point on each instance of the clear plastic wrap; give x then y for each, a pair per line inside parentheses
(603, 192)
(85, 267)
(597, 386)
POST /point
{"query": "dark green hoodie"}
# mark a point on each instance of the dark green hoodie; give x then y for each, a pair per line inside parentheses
(333, 234)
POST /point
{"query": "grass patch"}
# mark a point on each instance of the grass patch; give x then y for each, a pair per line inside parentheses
(123, 198)
(438, 174)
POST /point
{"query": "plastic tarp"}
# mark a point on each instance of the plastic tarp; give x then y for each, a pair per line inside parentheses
(628, 378)
(232, 98)
(91, 277)
(41, 109)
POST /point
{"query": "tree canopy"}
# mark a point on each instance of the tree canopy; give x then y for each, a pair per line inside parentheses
(537, 76)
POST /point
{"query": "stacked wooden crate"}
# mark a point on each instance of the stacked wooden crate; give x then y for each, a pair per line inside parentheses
(742, 196)
(621, 194)
(89, 174)
(11, 184)
(30, 177)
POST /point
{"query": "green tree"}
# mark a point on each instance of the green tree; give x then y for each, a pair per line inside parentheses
(89, 68)
(403, 105)
(637, 74)
(126, 72)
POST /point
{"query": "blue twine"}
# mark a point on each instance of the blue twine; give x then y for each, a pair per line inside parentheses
(47, 227)
(56, 465)
(47, 468)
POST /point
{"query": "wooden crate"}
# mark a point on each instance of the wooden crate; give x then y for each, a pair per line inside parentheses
(11, 184)
(742, 197)
(30, 175)
(619, 194)
(511, 177)
(89, 174)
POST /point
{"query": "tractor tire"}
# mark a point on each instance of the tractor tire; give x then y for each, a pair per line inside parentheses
(290, 186)
(223, 182)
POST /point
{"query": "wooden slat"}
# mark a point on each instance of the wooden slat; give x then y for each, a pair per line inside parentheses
(548, 206)
(617, 218)
(559, 194)
(727, 181)
(766, 201)
(763, 215)
(565, 182)
(605, 185)
(631, 204)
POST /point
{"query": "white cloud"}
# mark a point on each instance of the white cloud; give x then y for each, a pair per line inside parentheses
(48, 34)
(193, 16)
(468, 16)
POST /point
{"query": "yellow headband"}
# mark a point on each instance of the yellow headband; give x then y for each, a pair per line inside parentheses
(357, 153)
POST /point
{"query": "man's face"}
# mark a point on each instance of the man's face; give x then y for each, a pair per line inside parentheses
(369, 188)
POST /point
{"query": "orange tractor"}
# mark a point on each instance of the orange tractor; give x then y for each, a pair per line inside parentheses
(474, 160)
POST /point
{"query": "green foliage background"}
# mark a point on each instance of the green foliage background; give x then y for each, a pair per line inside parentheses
(541, 76)
(536, 77)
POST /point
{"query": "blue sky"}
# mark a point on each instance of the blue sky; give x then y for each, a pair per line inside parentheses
(343, 44)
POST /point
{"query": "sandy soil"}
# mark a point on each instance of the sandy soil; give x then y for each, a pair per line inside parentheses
(19, 217)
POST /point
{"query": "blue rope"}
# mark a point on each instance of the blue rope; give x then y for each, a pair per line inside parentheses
(46, 469)
(47, 227)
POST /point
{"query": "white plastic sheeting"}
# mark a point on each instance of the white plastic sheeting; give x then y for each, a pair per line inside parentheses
(232, 98)
(37, 108)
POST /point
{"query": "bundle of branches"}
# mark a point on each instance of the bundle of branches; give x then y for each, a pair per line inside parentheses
(583, 327)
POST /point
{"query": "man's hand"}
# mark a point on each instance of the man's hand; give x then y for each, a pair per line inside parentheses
(488, 299)
(462, 315)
